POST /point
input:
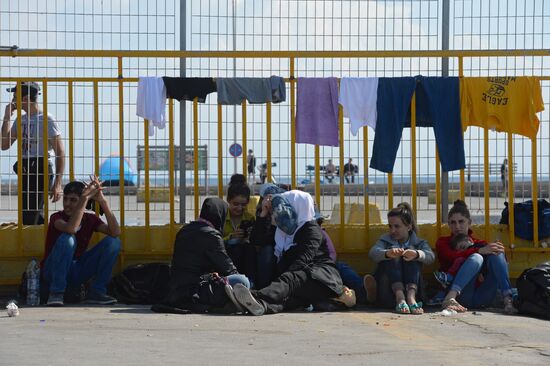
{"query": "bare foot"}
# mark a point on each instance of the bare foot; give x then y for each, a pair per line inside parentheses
(452, 304)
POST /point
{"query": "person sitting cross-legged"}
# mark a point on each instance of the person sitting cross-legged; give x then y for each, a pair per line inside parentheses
(67, 264)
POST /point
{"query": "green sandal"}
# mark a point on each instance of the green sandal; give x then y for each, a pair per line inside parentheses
(416, 309)
(402, 308)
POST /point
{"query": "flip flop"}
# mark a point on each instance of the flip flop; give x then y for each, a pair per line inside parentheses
(416, 308)
(452, 304)
(402, 308)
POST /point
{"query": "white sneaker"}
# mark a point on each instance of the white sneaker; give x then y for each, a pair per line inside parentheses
(245, 298)
(231, 295)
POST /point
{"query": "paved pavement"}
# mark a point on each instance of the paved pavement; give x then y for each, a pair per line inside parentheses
(132, 335)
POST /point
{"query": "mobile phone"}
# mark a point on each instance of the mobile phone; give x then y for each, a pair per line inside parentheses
(246, 224)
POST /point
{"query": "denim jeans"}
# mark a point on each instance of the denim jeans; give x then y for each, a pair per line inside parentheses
(62, 271)
(437, 106)
(473, 294)
(392, 271)
(238, 278)
(266, 266)
(351, 279)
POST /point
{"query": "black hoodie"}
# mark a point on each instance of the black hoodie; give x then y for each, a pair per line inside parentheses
(199, 249)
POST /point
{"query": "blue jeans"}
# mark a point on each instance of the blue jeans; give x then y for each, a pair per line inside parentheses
(437, 106)
(351, 279)
(393, 271)
(266, 266)
(62, 271)
(476, 295)
(238, 278)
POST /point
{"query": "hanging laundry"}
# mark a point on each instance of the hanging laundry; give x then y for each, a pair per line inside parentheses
(506, 104)
(232, 91)
(437, 106)
(358, 99)
(317, 111)
(151, 102)
(189, 88)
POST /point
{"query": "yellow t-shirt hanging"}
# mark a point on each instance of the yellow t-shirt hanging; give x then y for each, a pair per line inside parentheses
(506, 104)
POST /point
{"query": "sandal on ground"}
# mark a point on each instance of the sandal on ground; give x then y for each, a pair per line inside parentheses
(509, 307)
(402, 308)
(452, 304)
(416, 308)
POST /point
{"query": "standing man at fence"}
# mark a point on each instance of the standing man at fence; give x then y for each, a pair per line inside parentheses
(32, 151)
(251, 166)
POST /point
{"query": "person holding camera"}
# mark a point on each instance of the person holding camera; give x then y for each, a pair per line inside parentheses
(237, 227)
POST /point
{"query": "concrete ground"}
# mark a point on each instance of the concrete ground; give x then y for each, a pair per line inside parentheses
(133, 335)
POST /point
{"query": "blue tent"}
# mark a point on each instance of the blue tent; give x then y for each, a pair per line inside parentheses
(109, 172)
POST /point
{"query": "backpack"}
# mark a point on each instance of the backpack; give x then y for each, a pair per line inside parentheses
(534, 291)
(523, 219)
(141, 283)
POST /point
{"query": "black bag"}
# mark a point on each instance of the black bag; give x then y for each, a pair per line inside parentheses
(523, 219)
(534, 291)
(141, 283)
(211, 291)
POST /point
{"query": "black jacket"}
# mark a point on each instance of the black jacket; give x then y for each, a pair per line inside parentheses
(199, 249)
(311, 254)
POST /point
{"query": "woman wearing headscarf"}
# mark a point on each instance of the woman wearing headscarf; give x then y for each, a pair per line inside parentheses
(308, 275)
(262, 237)
(199, 249)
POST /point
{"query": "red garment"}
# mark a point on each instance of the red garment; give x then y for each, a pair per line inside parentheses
(447, 255)
(453, 270)
(90, 222)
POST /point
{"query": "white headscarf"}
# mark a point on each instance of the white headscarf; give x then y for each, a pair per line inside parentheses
(303, 205)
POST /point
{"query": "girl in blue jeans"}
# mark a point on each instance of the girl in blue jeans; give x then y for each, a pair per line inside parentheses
(471, 288)
(400, 255)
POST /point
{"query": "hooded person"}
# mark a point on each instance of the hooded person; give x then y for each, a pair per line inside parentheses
(198, 250)
(262, 236)
(307, 274)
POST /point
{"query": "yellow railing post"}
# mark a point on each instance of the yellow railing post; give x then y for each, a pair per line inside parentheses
(171, 165)
(341, 187)
(196, 155)
(147, 192)
(220, 151)
(71, 131)
(292, 126)
(413, 154)
(96, 133)
(511, 190)
(269, 137)
(486, 180)
(317, 178)
(534, 192)
(244, 145)
(462, 180)
(366, 182)
(18, 96)
(390, 191)
(121, 153)
(437, 194)
(45, 178)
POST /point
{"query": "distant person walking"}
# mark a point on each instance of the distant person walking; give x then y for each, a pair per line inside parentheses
(251, 167)
(32, 151)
